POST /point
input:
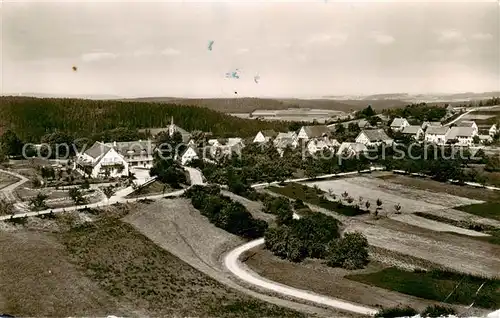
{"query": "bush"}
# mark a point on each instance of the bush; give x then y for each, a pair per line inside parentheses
(396, 312)
(438, 311)
(350, 252)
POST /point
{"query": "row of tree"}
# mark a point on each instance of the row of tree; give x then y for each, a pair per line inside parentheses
(225, 213)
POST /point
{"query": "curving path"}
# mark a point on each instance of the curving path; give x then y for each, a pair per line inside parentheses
(232, 263)
(7, 191)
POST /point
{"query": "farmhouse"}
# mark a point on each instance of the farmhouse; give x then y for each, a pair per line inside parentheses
(468, 123)
(309, 132)
(136, 153)
(371, 137)
(349, 149)
(436, 134)
(461, 136)
(284, 140)
(431, 123)
(399, 123)
(491, 130)
(225, 146)
(484, 139)
(191, 153)
(101, 161)
(414, 131)
(321, 144)
(265, 136)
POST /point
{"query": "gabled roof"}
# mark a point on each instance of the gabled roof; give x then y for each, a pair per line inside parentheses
(316, 131)
(290, 134)
(465, 123)
(456, 132)
(374, 135)
(398, 122)
(354, 146)
(437, 130)
(413, 130)
(97, 150)
(283, 142)
(191, 147)
(269, 133)
(133, 147)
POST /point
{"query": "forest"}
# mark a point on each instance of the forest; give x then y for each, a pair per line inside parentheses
(32, 118)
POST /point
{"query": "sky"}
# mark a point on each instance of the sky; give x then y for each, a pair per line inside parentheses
(297, 49)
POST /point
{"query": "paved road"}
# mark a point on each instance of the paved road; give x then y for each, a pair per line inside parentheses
(195, 175)
(7, 192)
(232, 263)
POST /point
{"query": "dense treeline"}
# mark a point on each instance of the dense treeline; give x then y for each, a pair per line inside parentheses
(419, 112)
(31, 118)
(225, 213)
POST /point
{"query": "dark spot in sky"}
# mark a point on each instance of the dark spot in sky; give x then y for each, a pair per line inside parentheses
(210, 45)
(256, 79)
(74, 68)
(236, 93)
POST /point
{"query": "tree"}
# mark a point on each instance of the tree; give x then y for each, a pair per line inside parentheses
(353, 128)
(339, 128)
(168, 171)
(108, 191)
(379, 204)
(350, 252)
(367, 205)
(77, 196)
(85, 184)
(6, 207)
(10, 144)
(397, 207)
(476, 140)
(38, 203)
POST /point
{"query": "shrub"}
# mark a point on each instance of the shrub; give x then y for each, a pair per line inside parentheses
(438, 311)
(396, 312)
(350, 252)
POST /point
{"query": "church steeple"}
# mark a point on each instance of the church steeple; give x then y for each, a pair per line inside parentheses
(171, 128)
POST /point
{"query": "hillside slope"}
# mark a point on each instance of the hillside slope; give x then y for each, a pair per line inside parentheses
(31, 118)
(247, 105)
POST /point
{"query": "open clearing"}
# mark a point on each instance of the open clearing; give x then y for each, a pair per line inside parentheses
(37, 279)
(315, 276)
(411, 200)
(108, 268)
(176, 226)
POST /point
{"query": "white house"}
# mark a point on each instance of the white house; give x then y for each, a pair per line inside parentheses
(371, 137)
(284, 140)
(317, 131)
(265, 136)
(322, 144)
(225, 146)
(436, 134)
(191, 153)
(461, 136)
(136, 153)
(414, 131)
(493, 130)
(100, 161)
(485, 138)
(349, 149)
(468, 123)
(399, 123)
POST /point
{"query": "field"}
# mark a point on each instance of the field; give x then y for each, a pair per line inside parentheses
(173, 224)
(484, 116)
(436, 285)
(108, 268)
(156, 187)
(309, 195)
(315, 276)
(6, 180)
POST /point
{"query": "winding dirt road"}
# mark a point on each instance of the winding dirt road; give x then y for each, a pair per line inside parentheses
(233, 264)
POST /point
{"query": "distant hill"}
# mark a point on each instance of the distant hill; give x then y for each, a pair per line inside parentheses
(31, 118)
(247, 105)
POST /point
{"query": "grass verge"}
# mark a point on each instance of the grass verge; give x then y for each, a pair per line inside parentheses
(310, 195)
(130, 267)
(489, 210)
(436, 285)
